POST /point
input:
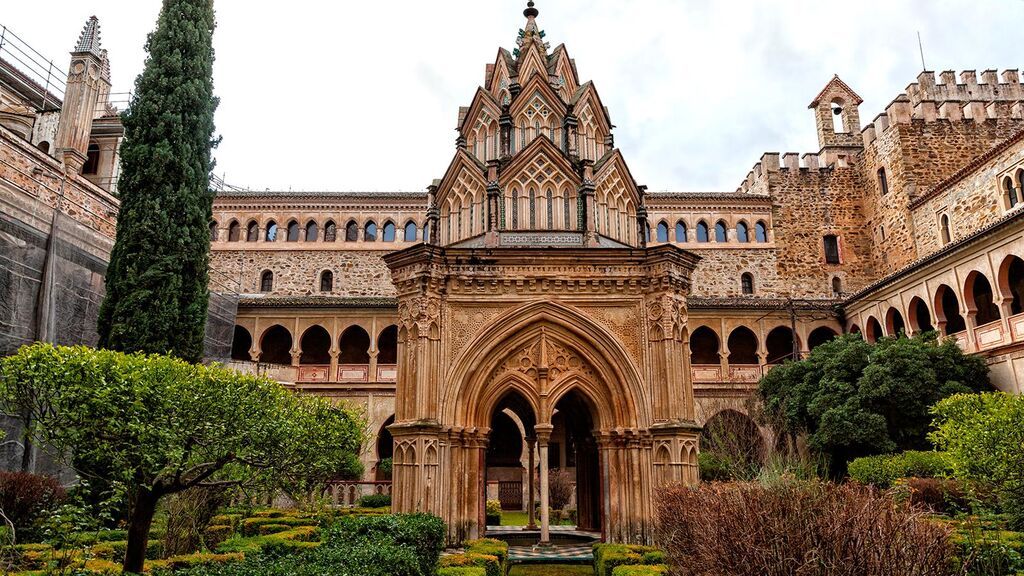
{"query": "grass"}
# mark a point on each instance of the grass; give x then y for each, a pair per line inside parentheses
(513, 518)
(551, 570)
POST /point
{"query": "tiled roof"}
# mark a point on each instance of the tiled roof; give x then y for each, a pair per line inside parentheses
(706, 196)
(835, 81)
(967, 170)
(396, 195)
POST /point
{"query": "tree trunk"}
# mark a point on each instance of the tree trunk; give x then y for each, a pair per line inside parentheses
(139, 521)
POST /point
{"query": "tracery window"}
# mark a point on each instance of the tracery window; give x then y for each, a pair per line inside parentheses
(551, 210)
(533, 209)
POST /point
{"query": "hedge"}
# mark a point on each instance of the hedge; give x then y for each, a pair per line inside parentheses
(375, 501)
(489, 546)
(883, 471)
(491, 565)
(462, 571)
(421, 533)
(640, 570)
(609, 556)
(251, 526)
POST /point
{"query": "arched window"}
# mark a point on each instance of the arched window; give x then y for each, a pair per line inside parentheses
(276, 345)
(326, 281)
(213, 231)
(315, 346)
(252, 232)
(410, 231)
(838, 117)
(515, 208)
(550, 199)
(92, 159)
(293, 232)
(44, 147)
(883, 182)
(761, 232)
(837, 286)
(1010, 193)
(330, 231)
(662, 232)
(389, 232)
(919, 316)
(240, 345)
(312, 231)
(894, 323)
(702, 231)
(351, 231)
(742, 232)
(1011, 282)
(872, 330)
(271, 233)
(820, 336)
(354, 346)
(681, 235)
(426, 231)
(266, 281)
(781, 345)
(704, 346)
(747, 283)
(387, 346)
(721, 233)
(533, 209)
(978, 292)
(831, 243)
(234, 232)
(742, 346)
(947, 311)
(370, 232)
(945, 230)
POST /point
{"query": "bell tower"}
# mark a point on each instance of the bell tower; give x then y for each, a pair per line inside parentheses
(837, 116)
(87, 83)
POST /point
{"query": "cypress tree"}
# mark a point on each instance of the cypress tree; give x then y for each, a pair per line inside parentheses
(156, 297)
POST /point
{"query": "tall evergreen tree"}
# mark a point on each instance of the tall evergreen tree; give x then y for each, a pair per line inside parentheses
(157, 293)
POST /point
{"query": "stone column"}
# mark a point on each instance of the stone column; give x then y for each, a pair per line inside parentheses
(372, 370)
(531, 445)
(543, 435)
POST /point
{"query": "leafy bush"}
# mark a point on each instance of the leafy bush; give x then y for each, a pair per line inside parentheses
(25, 497)
(985, 548)
(805, 528)
(640, 570)
(883, 471)
(488, 546)
(609, 556)
(492, 513)
(375, 501)
(712, 467)
(214, 535)
(983, 434)
(491, 565)
(423, 534)
(251, 526)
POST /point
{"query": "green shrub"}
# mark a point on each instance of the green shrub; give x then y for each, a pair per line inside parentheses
(608, 556)
(421, 533)
(883, 471)
(491, 564)
(214, 535)
(360, 559)
(647, 570)
(462, 571)
(374, 501)
(713, 468)
(492, 513)
(489, 546)
(297, 539)
(197, 559)
(112, 535)
(251, 526)
(264, 529)
(226, 520)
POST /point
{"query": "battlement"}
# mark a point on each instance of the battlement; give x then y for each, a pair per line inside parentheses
(790, 162)
(951, 99)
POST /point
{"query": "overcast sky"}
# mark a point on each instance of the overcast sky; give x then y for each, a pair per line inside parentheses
(320, 95)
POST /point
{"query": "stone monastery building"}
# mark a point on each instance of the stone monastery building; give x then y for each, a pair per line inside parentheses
(537, 308)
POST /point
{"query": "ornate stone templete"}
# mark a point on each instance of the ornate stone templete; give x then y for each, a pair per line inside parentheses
(538, 295)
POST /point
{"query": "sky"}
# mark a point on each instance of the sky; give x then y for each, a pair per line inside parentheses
(364, 96)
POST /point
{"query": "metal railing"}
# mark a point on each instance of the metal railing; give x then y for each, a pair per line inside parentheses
(36, 73)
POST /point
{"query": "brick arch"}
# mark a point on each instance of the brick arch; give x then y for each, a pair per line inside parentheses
(979, 297)
(1010, 280)
(613, 382)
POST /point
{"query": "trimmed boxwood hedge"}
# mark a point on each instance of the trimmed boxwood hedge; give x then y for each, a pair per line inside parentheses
(609, 556)
(640, 570)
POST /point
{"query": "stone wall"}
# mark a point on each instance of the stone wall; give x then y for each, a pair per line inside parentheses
(297, 272)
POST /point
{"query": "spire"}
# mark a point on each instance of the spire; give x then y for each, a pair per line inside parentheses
(89, 41)
(530, 33)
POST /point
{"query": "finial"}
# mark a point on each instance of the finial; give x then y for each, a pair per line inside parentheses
(89, 41)
(530, 11)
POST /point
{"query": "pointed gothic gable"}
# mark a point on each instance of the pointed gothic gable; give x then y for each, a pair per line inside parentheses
(616, 198)
(483, 101)
(549, 154)
(504, 68)
(532, 62)
(562, 69)
(537, 88)
(463, 167)
(587, 98)
(461, 197)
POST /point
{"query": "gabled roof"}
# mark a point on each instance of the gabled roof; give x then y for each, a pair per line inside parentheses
(540, 144)
(589, 89)
(482, 99)
(535, 84)
(462, 159)
(835, 82)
